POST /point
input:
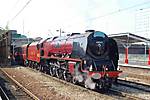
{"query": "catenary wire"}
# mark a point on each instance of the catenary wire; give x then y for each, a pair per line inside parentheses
(21, 10)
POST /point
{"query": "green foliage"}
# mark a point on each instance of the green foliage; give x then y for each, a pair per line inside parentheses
(3, 30)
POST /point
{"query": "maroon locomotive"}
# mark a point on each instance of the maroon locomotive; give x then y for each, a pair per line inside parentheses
(90, 58)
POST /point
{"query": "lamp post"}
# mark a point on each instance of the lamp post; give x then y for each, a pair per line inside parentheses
(60, 31)
(6, 59)
(13, 44)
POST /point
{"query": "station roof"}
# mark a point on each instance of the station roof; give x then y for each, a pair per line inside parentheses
(128, 38)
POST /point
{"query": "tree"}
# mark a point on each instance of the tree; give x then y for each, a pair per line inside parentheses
(3, 30)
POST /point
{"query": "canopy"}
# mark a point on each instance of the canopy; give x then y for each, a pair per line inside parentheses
(128, 38)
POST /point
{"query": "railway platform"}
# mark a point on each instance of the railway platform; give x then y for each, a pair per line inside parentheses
(136, 73)
(135, 66)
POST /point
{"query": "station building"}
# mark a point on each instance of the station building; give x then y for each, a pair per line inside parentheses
(8, 42)
(129, 43)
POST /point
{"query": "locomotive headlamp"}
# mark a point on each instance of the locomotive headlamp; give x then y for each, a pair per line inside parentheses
(96, 76)
(106, 68)
(107, 74)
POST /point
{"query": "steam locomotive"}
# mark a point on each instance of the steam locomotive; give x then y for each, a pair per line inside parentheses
(90, 58)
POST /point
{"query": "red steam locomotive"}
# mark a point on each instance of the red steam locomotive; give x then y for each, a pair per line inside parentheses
(90, 58)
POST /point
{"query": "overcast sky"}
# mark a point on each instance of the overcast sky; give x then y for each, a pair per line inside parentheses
(40, 17)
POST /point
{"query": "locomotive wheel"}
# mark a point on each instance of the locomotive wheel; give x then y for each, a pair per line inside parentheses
(52, 71)
(25, 63)
(39, 68)
(37, 65)
(74, 80)
(45, 68)
(42, 68)
(29, 63)
(32, 64)
(67, 76)
(59, 73)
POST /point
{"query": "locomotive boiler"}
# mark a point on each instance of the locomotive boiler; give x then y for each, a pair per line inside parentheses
(90, 58)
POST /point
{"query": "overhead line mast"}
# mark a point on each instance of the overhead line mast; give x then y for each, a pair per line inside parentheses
(119, 10)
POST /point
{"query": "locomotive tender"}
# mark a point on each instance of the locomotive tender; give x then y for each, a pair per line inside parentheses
(90, 58)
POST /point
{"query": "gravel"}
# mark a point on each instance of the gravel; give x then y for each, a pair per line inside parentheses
(133, 92)
(46, 88)
(12, 90)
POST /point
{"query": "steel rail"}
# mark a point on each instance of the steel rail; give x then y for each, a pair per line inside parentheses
(94, 92)
(136, 85)
(3, 95)
(80, 87)
(126, 95)
(21, 86)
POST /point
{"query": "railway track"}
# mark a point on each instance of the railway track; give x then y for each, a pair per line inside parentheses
(116, 93)
(123, 94)
(21, 91)
(132, 90)
(136, 85)
(67, 83)
(3, 95)
(56, 88)
(112, 92)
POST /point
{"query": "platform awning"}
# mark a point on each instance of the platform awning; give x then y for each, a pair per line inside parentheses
(128, 38)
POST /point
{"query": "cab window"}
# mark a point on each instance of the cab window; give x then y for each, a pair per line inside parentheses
(99, 34)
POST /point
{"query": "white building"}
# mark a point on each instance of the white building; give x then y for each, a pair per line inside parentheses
(142, 22)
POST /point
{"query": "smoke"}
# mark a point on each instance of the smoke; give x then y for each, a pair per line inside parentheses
(89, 83)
